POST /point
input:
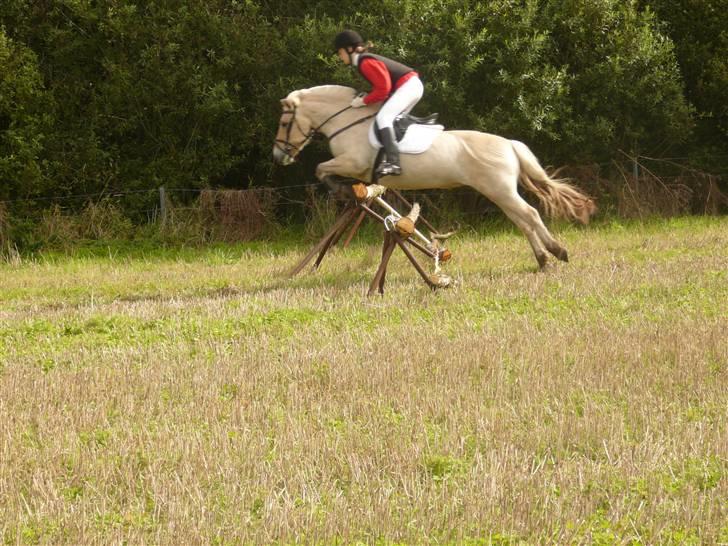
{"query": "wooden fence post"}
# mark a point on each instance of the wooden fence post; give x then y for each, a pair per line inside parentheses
(163, 204)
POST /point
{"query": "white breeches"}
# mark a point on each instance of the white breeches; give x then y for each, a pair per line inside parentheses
(402, 100)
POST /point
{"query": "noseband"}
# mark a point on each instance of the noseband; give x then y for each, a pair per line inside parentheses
(286, 145)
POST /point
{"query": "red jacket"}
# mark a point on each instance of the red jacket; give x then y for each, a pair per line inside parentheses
(376, 70)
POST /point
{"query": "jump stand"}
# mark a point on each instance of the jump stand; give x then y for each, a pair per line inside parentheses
(400, 231)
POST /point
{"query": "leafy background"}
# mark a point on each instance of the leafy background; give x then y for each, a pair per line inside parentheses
(118, 95)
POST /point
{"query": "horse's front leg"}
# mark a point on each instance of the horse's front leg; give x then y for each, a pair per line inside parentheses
(342, 167)
(339, 174)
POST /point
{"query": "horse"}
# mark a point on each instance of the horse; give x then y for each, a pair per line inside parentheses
(488, 163)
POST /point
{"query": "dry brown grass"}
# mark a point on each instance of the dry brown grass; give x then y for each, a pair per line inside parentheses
(649, 195)
(238, 215)
(199, 397)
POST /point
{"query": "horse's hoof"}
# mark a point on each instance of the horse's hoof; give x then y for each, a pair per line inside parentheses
(440, 280)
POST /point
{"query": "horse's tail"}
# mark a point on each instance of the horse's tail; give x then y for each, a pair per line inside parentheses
(559, 198)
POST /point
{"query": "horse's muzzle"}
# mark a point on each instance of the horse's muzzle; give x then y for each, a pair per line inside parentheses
(281, 157)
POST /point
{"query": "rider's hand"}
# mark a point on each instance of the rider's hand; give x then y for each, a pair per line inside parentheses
(358, 102)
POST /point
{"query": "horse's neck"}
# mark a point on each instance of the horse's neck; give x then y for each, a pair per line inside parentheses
(333, 115)
(320, 111)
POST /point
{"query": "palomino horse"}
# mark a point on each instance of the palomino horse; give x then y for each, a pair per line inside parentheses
(488, 163)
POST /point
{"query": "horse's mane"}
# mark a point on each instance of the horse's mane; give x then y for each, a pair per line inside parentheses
(332, 93)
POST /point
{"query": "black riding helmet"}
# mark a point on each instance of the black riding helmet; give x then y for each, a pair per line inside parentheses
(346, 39)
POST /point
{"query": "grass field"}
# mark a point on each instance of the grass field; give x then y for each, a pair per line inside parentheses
(182, 396)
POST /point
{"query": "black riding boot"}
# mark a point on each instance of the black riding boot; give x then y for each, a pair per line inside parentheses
(390, 164)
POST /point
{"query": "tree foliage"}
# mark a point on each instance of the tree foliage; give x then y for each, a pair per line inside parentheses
(25, 117)
(699, 29)
(130, 94)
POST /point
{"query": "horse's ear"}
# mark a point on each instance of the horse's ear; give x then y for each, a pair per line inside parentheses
(291, 101)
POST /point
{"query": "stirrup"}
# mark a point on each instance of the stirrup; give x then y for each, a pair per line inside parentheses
(388, 169)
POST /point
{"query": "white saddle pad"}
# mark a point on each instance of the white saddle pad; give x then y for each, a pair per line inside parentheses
(417, 139)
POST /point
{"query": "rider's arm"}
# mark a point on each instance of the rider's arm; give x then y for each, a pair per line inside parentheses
(378, 75)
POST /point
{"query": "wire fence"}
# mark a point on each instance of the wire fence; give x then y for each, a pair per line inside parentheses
(109, 194)
(152, 202)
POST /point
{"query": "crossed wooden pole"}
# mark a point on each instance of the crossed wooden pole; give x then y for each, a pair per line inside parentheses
(400, 231)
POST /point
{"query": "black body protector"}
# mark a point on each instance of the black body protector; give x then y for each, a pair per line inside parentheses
(396, 70)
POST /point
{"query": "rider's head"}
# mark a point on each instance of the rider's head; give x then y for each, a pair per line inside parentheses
(348, 42)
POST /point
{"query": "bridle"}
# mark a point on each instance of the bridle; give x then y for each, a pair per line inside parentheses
(286, 146)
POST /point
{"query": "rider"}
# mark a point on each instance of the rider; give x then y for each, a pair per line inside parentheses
(393, 83)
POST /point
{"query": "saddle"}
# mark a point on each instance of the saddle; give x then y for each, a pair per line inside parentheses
(403, 122)
(414, 136)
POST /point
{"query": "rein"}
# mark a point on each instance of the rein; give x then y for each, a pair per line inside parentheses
(288, 145)
(357, 122)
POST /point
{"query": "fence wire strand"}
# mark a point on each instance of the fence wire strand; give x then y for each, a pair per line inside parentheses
(288, 201)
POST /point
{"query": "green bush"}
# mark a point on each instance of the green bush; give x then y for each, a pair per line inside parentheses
(24, 120)
(110, 96)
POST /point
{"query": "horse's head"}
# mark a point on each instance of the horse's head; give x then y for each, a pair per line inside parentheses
(294, 130)
(305, 113)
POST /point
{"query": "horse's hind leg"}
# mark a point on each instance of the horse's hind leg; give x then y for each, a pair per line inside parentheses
(552, 245)
(527, 219)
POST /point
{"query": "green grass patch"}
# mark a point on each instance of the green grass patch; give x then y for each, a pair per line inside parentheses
(150, 392)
